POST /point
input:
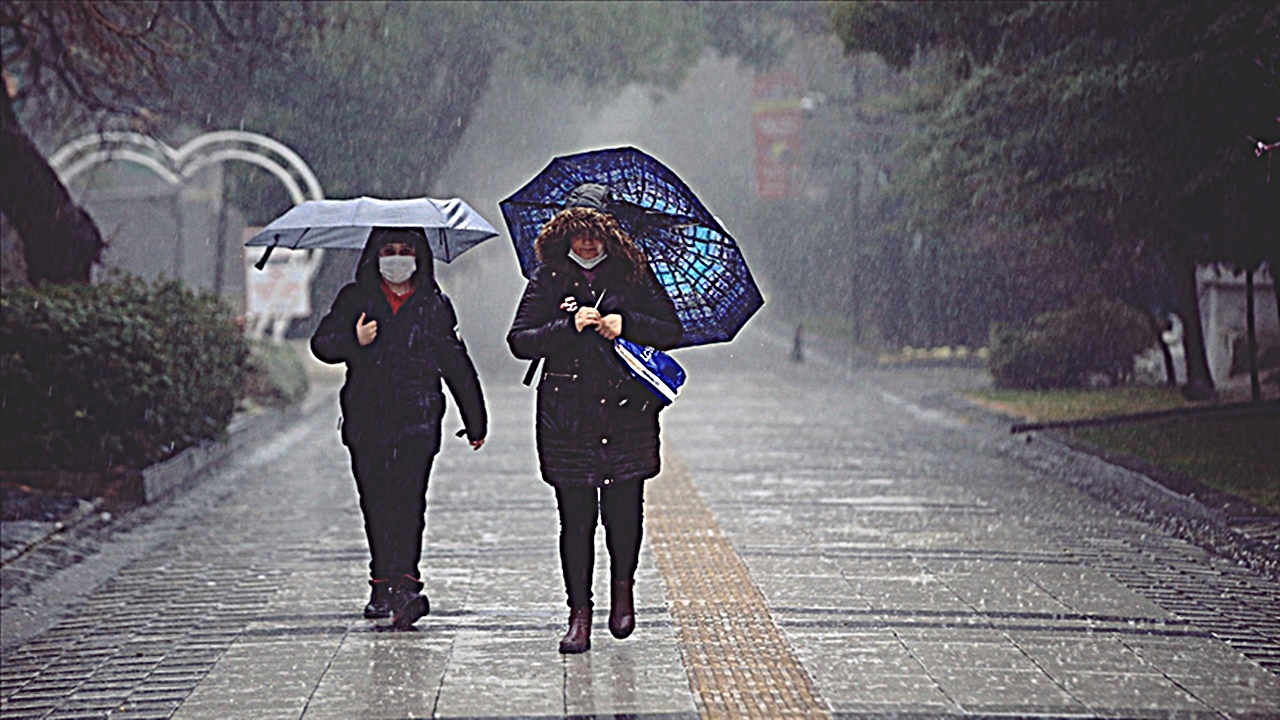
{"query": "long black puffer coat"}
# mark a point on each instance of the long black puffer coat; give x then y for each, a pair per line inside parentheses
(596, 425)
(392, 388)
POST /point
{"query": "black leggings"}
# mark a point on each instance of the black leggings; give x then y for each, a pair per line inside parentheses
(392, 481)
(621, 506)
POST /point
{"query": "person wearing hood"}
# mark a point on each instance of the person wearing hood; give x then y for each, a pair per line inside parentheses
(597, 428)
(397, 334)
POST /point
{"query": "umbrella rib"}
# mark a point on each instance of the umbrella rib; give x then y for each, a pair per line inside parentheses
(530, 203)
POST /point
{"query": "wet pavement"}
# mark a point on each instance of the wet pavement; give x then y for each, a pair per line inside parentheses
(825, 541)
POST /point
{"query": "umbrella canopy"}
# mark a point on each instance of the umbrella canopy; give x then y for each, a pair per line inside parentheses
(697, 262)
(451, 225)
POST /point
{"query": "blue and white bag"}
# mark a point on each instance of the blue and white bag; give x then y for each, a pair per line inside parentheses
(654, 369)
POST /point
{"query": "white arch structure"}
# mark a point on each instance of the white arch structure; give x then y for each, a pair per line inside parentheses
(176, 166)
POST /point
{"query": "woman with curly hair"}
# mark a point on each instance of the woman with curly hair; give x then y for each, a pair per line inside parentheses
(597, 428)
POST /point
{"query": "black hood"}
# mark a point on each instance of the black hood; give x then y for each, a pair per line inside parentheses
(367, 268)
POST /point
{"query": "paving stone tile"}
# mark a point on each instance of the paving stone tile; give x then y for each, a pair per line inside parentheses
(1082, 655)
(220, 711)
(384, 672)
(69, 713)
(1246, 691)
(29, 704)
(989, 690)
(942, 658)
(834, 667)
(627, 678)
(810, 592)
(853, 566)
(1192, 657)
(1107, 693)
(1007, 592)
(915, 690)
(482, 674)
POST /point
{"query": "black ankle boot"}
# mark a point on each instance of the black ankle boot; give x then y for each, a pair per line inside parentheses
(379, 607)
(578, 639)
(622, 611)
(408, 604)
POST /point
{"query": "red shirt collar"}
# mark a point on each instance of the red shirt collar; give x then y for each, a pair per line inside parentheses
(396, 301)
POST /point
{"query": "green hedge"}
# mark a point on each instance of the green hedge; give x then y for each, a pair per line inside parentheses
(1070, 348)
(122, 375)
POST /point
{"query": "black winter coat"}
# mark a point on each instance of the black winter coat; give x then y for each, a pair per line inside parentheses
(595, 424)
(392, 388)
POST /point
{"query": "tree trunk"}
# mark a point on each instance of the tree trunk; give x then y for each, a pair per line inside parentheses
(60, 241)
(1199, 385)
(1252, 333)
(1275, 285)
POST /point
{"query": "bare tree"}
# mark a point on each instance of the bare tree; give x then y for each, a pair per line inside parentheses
(77, 58)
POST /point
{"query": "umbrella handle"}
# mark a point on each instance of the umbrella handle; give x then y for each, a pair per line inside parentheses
(533, 367)
(262, 261)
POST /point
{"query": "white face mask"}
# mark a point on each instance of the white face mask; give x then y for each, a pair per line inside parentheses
(585, 263)
(397, 268)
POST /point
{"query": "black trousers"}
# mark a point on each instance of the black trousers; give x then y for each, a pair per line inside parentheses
(621, 507)
(392, 481)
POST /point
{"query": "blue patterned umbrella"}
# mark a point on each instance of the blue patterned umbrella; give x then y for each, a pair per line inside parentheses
(693, 257)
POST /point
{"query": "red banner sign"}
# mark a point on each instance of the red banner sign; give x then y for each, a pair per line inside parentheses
(777, 119)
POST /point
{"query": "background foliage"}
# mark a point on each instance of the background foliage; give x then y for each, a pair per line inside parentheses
(1084, 147)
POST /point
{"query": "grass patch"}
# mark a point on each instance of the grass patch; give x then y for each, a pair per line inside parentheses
(836, 327)
(1237, 455)
(1060, 405)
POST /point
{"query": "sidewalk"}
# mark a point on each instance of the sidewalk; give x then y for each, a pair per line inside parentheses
(822, 543)
(32, 517)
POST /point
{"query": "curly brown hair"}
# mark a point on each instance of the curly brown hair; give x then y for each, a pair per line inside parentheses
(552, 244)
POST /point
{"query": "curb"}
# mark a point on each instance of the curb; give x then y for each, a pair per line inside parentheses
(156, 482)
(37, 531)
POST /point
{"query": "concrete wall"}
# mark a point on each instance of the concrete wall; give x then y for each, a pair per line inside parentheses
(1223, 313)
(159, 231)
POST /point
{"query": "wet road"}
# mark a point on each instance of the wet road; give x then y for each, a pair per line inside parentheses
(823, 542)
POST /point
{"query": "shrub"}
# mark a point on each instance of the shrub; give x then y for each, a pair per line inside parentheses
(1070, 347)
(98, 377)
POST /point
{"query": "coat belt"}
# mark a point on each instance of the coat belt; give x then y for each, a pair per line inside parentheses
(546, 375)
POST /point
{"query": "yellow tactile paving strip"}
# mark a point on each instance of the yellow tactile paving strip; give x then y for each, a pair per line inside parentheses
(738, 662)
